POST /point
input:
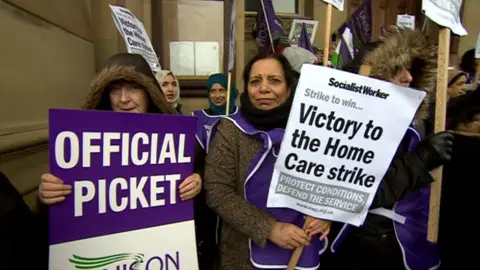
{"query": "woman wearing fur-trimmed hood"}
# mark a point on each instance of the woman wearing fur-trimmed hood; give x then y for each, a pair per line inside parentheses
(394, 234)
(125, 84)
(127, 70)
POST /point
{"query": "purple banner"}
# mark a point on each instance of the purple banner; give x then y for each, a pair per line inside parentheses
(360, 23)
(125, 169)
(268, 30)
(304, 40)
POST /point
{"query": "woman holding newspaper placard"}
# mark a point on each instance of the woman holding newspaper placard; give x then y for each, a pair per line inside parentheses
(238, 170)
(394, 234)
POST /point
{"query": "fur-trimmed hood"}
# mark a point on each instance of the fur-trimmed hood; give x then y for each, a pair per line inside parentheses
(129, 68)
(413, 51)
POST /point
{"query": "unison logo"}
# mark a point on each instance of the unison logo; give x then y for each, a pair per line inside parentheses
(104, 262)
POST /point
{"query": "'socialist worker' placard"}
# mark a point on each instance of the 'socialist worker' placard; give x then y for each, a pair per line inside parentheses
(341, 136)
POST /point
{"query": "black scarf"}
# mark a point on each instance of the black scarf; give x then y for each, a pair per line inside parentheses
(262, 119)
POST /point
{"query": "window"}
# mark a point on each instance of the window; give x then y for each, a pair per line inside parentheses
(280, 6)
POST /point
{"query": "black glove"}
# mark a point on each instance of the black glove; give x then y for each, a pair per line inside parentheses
(436, 150)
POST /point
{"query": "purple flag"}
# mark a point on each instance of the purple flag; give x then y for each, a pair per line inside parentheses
(304, 40)
(262, 34)
(125, 169)
(269, 32)
(360, 23)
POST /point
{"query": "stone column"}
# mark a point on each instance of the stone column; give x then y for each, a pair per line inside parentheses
(107, 39)
(147, 17)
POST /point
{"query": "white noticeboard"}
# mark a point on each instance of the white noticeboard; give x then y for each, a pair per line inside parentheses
(182, 57)
(194, 58)
(342, 133)
(445, 13)
(136, 38)
(207, 58)
(405, 21)
(336, 3)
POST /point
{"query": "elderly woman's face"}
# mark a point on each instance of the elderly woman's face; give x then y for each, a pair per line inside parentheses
(403, 77)
(458, 88)
(128, 97)
(170, 88)
(267, 86)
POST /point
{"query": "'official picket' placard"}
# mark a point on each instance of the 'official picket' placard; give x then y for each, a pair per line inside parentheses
(124, 211)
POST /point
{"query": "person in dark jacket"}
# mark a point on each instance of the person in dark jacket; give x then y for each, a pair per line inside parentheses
(457, 201)
(19, 235)
(394, 233)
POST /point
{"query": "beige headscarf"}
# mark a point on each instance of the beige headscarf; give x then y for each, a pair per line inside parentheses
(160, 76)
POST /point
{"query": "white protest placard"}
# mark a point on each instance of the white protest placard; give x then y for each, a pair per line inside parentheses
(405, 21)
(296, 30)
(233, 36)
(342, 133)
(477, 48)
(338, 4)
(135, 36)
(445, 13)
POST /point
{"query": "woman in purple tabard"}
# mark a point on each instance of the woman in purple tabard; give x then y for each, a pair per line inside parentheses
(217, 100)
(394, 234)
(239, 166)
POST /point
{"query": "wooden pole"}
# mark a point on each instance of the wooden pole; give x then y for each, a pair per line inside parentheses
(240, 44)
(440, 121)
(227, 9)
(326, 48)
(229, 82)
(326, 41)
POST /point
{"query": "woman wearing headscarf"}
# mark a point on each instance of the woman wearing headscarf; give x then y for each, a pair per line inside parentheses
(217, 85)
(127, 84)
(171, 88)
(239, 167)
(394, 234)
